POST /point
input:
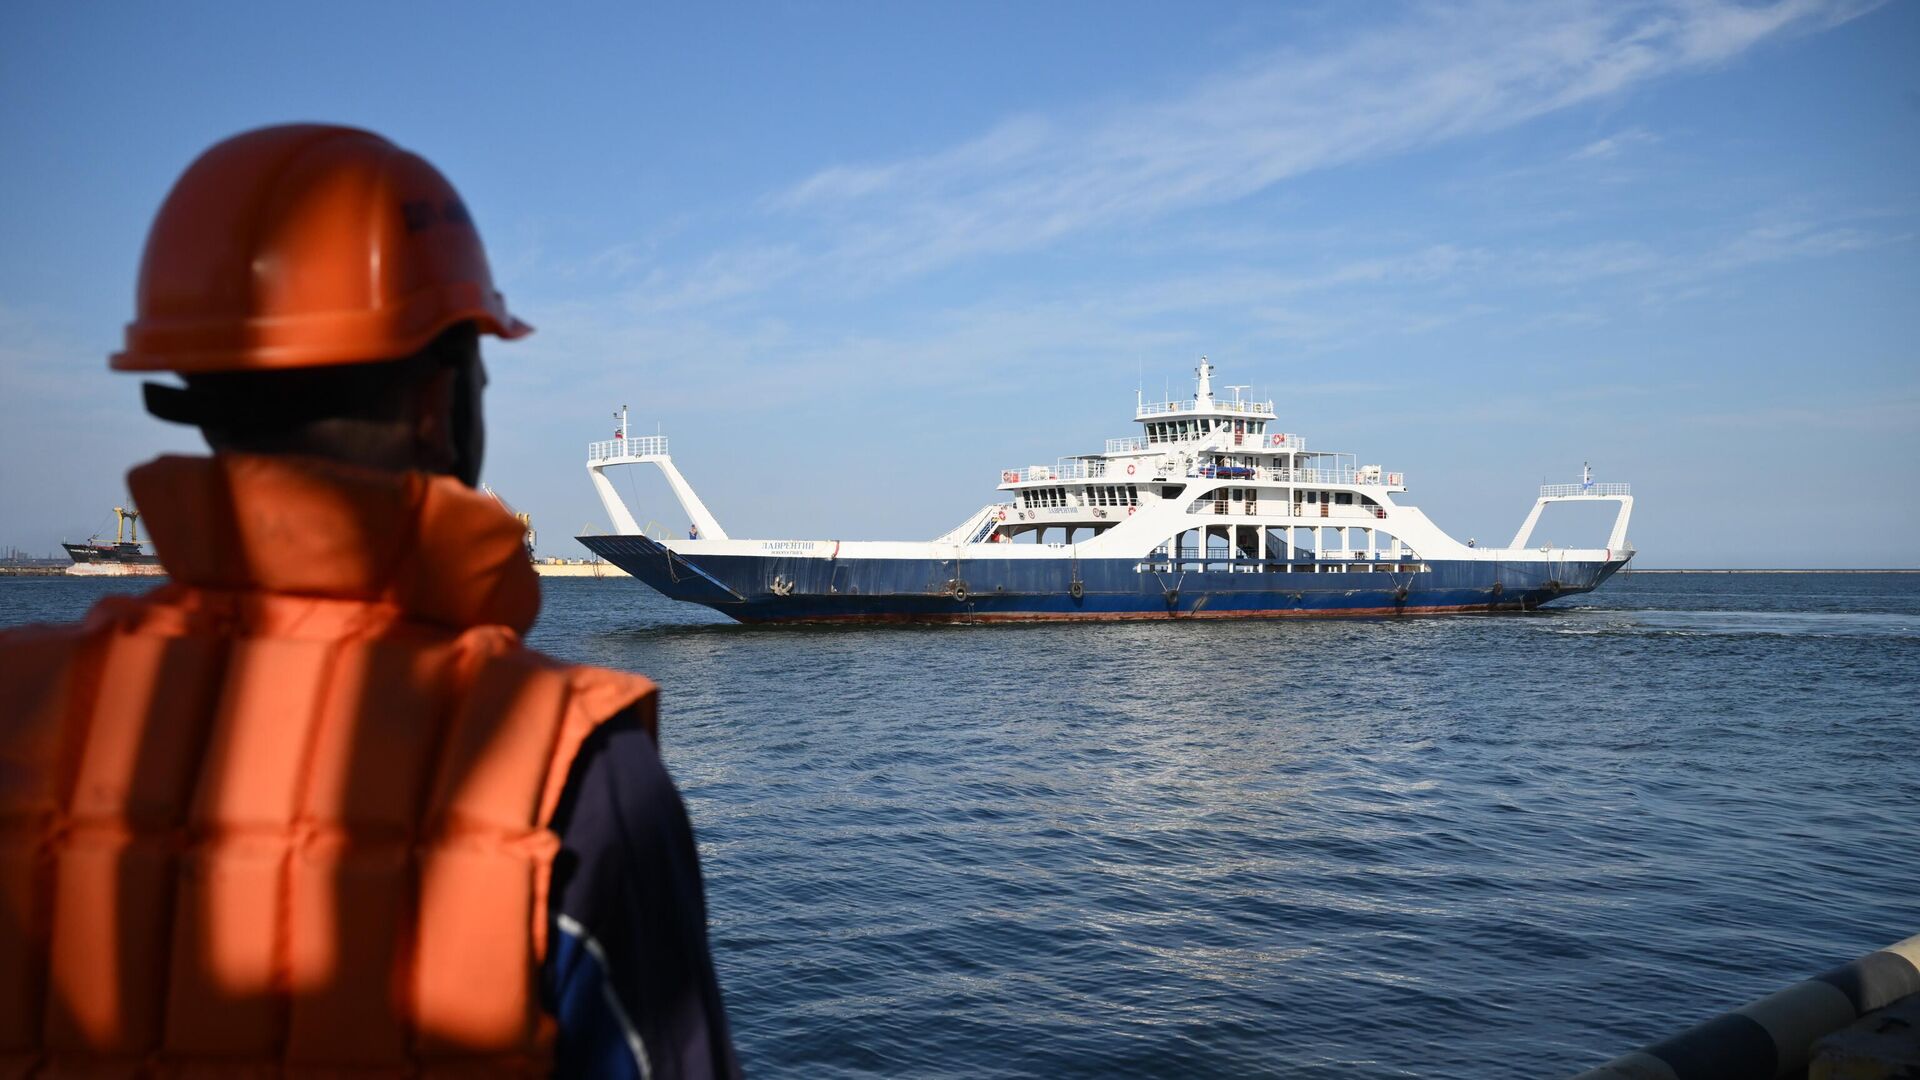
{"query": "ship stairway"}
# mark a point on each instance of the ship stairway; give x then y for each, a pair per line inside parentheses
(989, 520)
(976, 527)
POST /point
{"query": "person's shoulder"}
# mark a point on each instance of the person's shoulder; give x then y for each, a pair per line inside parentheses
(590, 695)
(500, 645)
(622, 756)
(611, 814)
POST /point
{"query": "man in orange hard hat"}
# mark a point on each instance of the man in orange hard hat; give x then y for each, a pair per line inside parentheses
(311, 806)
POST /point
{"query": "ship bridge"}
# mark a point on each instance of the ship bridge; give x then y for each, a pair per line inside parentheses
(1202, 416)
(1205, 437)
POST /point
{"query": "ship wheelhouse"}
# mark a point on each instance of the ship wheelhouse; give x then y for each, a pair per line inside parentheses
(1211, 483)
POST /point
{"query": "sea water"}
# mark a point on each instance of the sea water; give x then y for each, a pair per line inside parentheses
(1483, 846)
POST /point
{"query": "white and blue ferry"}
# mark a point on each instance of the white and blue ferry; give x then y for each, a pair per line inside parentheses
(1211, 512)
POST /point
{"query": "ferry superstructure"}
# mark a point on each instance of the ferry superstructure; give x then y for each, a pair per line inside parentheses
(1212, 511)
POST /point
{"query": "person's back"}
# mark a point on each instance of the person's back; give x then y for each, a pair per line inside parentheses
(312, 805)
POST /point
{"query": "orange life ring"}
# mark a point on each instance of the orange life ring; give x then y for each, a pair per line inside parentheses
(1129, 470)
(1131, 509)
(1003, 515)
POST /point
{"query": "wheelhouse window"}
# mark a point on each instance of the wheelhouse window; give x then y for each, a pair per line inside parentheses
(1037, 498)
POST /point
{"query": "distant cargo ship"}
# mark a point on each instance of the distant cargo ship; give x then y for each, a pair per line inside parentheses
(126, 555)
(1213, 511)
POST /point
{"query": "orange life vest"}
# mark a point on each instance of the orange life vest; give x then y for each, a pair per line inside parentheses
(289, 812)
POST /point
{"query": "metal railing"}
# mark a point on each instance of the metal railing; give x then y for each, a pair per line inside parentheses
(1557, 490)
(1232, 507)
(1247, 441)
(1093, 469)
(1207, 504)
(1079, 469)
(1247, 408)
(625, 448)
(1310, 476)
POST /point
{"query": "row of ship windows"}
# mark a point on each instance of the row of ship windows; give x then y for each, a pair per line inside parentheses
(1251, 496)
(1166, 431)
(1129, 495)
(1193, 562)
(1096, 495)
(1337, 498)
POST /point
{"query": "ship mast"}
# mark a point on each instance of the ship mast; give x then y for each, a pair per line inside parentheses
(1203, 385)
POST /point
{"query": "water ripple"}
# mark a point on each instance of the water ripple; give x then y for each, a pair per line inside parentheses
(1486, 847)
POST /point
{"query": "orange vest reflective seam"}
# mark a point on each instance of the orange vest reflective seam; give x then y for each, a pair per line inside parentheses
(323, 852)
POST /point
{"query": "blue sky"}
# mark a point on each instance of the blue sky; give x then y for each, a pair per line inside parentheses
(855, 260)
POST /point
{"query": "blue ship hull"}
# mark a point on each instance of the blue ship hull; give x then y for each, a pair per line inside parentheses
(776, 588)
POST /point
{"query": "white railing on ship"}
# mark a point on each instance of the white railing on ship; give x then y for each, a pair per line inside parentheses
(1085, 469)
(1334, 476)
(1069, 469)
(1218, 439)
(624, 448)
(1079, 469)
(1249, 441)
(1281, 508)
(1161, 408)
(1585, 489)
(1310, 476)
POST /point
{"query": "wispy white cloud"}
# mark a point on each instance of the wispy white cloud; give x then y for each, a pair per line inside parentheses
(1033, 181)
(1447, 72)
(1613, 145)
(692, 349)
(1780, 241)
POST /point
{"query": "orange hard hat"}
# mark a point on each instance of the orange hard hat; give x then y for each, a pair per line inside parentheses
(307, 245)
